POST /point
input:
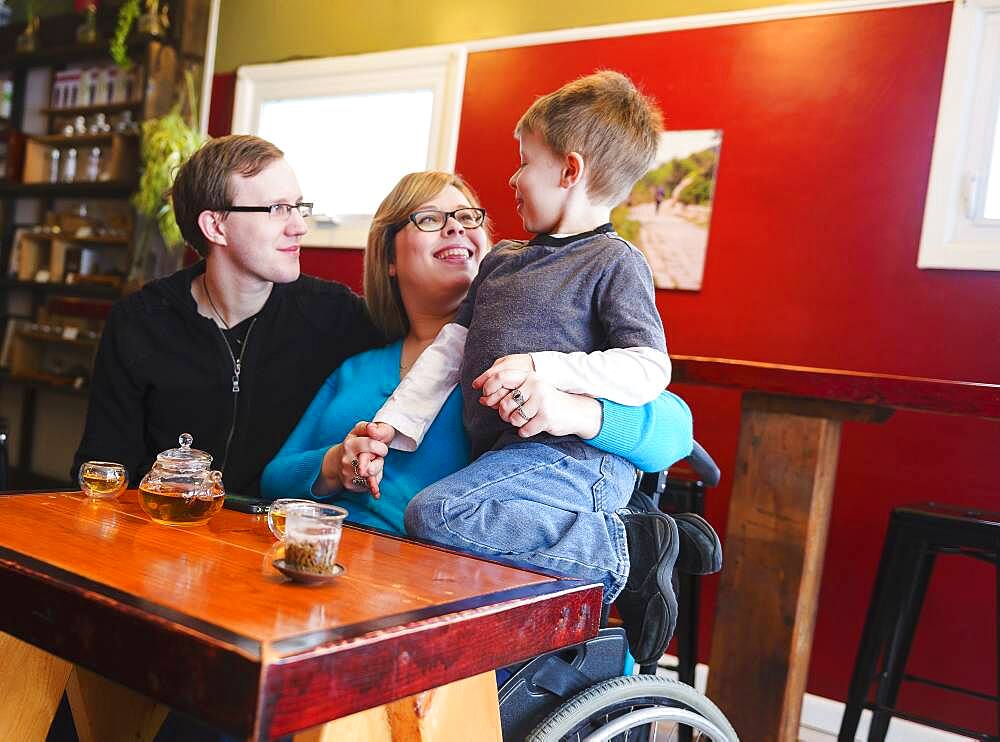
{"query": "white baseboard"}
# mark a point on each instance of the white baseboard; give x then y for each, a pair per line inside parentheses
(823, 716)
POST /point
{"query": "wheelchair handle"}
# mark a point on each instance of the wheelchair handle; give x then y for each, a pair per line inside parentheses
(704, 466)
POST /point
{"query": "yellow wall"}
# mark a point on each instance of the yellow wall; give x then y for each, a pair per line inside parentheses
(256, 31)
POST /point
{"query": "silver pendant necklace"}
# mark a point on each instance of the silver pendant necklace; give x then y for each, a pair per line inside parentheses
(237, 361)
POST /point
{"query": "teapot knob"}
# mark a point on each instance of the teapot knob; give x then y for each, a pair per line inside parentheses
(185, 439)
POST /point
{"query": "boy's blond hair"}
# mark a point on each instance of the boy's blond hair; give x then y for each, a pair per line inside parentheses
(605, 119)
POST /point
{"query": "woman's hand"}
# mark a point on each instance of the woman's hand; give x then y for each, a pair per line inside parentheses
(536, 407)
(355, 464)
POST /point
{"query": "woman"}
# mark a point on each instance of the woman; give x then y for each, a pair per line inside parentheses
(424, 247)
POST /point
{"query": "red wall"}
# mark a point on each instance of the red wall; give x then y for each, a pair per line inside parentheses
(828, 124)
(827, 130)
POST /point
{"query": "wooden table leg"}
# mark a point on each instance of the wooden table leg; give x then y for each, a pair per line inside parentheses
(104, 710)
(31, 686)
(462, 710)
(779, 515)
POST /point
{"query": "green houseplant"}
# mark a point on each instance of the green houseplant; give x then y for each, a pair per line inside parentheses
(118, 45)
(166, 143)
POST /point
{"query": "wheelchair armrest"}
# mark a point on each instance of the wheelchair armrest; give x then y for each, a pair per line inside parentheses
(705, 469)
(704, 466)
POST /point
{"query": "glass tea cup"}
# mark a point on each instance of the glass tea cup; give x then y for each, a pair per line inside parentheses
(278, 511)
(312, 537)
(102, 480)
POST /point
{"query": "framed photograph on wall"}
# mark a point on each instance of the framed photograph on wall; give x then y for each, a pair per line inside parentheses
(668, 213)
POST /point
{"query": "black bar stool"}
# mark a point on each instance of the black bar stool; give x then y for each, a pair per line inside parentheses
(915, 537)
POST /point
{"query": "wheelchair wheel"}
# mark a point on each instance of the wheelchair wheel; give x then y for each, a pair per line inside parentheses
(610, 708)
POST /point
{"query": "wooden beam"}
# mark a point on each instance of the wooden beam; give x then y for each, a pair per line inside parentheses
(31, 686)
(858, 387)
(103, 710)
(460, 710)
(775, 541)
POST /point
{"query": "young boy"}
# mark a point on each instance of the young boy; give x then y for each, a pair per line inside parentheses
(575, 305)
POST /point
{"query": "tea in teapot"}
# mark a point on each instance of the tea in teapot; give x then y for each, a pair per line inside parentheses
(180, 490)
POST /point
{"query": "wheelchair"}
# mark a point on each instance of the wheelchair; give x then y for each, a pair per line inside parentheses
(588, 693)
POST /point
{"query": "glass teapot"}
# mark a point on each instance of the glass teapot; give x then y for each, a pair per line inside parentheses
(180, 489)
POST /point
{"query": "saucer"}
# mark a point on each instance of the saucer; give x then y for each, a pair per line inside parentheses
(306, 578)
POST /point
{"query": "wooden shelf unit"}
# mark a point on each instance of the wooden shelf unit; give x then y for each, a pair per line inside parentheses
(37, 362)
(77, 189)
(119, 162)
(130, 105)
(82, 289)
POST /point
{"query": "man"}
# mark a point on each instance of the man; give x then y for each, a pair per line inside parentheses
(233, 348)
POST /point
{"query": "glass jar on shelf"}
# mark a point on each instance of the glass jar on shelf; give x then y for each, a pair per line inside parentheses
(6, 97)
(54, 157)
(100, 124)
(126, 124)
(69, 166)
(94, 164)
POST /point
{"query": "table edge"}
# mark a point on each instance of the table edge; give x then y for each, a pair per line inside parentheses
(348, 677)
(198, 665)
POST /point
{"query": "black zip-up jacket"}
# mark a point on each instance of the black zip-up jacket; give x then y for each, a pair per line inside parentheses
(162, 369)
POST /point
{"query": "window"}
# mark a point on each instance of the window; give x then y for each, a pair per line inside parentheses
(350, 127)
(962, 215)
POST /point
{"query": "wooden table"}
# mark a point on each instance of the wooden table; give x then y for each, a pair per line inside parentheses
(198, 619)
(779, 514)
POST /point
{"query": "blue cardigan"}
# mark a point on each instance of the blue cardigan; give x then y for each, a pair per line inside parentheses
(652, 437)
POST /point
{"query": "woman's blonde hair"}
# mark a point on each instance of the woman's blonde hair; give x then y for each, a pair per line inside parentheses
(381, 289)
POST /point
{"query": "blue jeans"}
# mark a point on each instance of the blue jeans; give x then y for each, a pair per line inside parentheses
(535, 504)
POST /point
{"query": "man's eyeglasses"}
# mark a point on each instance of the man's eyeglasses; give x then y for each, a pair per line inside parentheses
(277, 212)
(433, 220)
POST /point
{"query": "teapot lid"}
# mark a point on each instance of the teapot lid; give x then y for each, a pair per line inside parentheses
(185, 457)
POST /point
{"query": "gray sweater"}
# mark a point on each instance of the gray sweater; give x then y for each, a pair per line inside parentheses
(586, 292)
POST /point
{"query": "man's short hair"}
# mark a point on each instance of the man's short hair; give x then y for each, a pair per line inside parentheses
(204, 181)
(608, 121)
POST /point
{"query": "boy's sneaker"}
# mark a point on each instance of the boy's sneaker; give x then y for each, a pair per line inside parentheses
(647, 604)
(700, 549)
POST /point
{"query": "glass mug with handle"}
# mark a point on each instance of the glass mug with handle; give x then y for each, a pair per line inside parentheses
(277, 513)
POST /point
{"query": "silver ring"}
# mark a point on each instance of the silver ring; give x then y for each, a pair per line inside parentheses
(357, 467)
(520, 411)
(517, 396)
(360, 482)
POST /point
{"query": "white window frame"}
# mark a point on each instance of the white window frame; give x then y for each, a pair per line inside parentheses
(955, 234)
(440, 69)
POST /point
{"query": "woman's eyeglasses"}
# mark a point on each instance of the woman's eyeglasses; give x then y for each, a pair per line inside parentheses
(277, 212)
(432, 220)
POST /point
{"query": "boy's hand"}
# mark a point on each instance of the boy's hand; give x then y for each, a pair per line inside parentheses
(506, 373)
(381, 432)
(342, 464)
(371, 466)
